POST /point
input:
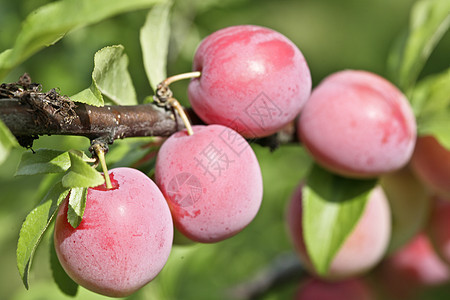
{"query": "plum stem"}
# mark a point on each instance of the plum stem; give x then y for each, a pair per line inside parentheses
(177, 106)
(101, 157)
(179, 77)
(164, 96)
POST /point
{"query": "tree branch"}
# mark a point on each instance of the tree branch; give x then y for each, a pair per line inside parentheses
(29, 113)
(85, 120)
(284, 269)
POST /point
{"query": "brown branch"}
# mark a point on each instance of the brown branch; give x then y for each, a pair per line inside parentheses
(283, 270)
(92, 122)
(30, 113)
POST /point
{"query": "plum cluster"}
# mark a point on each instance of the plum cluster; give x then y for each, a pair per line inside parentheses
(208, 185)
(358, 125)
(254, 81)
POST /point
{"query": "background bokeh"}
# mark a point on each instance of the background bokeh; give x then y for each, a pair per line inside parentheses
(333, 35)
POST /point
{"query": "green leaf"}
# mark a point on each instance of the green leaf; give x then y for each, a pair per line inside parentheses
(43, 161)
(64, 282)
(34, 227)
(77, 204)
(80, 174)
(154, 38)
(48, 24)
(90, 96)
(332, 206)
(109, 78)
(7, 141)
(431, 103)
(429, 20)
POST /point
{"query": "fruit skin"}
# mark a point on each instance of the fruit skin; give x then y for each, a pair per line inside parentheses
(351, 289)
(364, 247)
(209, 201)
(410, 205)
(438, 227)
(124, 239)
(358, 124)
(254, 80)
(431, 163)
(411, 269)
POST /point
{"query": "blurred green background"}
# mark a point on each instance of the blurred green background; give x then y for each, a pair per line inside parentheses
(332, 35)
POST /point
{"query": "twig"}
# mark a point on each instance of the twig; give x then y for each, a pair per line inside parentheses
(284, 269)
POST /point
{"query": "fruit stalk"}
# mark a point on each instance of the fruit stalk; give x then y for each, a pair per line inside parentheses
(101, 157)
(179, 77)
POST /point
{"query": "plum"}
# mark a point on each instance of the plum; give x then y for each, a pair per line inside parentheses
(253, 79)
(124, 238)
(211, 180)
(413, 268)
(358, 124)
(431, 163)
(410, 205)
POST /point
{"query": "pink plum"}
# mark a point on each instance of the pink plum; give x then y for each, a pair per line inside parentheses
(253, 79)
(211, 180)
(410, 205)
(364, 247)
(124, 239)
(412, 268)
(358, 124)
(431, 163)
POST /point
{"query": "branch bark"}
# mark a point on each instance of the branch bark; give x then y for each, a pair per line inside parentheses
(29, 113)
(283, 270)
(90, 121)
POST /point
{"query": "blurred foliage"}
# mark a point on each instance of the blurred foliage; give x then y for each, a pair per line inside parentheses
(332, 35)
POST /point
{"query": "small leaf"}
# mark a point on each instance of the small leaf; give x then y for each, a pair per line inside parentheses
(110, 77)
(81, 154)
(80, 174)
(64, 282)
(34, 227)
(154, 38)
(431, 103)
(332, 206)
(90, 96)
(429, 20)
(7, 141)
(77, 204)
(49, 23)
(43, 161)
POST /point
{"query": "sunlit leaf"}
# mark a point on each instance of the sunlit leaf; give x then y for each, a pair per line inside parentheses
(77, 204)
(109, 78)
(90, 96)
(332, 205)
(431, 103)
(154, 37)
(43, 161)
(34, 227)
(429, 20)
(48, 24)
(80, 174)
(7, 141)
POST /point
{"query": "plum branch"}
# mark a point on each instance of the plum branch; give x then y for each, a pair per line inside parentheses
(29, 113)
(114, 122)
(284, 269)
